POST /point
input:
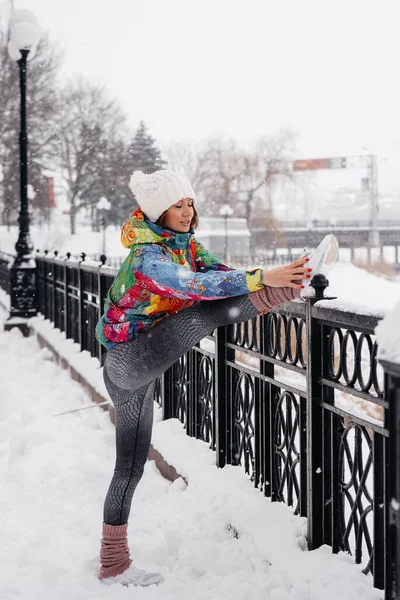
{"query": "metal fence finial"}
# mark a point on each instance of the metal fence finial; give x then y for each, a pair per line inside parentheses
(319, 283)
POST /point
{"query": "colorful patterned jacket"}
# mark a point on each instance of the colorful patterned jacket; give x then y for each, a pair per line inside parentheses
(163, 273)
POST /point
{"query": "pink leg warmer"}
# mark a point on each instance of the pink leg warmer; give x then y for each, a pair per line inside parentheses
(271, 297)
(114, 553)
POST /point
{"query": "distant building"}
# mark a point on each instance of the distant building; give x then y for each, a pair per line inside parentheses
(211, 233)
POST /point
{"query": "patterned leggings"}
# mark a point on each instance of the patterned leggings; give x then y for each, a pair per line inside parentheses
(130, 372)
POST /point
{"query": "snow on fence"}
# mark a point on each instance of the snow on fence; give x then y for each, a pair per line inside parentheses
(266, 395)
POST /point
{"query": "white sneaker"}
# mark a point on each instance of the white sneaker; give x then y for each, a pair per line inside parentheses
(322, 260)
(134, 576)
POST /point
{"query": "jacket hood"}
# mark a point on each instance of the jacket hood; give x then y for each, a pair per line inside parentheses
(139, 230)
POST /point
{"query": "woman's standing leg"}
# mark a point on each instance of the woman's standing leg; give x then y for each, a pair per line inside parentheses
(133, 426)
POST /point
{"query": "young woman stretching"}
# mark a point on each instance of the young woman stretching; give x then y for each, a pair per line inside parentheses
(169, 293)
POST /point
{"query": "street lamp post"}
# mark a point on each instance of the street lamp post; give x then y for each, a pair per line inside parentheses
(103, 206)
(226, 212)
(374, 237)
(24, 38)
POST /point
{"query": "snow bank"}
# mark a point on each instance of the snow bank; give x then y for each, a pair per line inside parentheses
(86, 365)
(359, 291)
(57, 237)
(388, 336)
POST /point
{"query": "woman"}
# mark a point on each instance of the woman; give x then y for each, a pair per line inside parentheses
(168, 273)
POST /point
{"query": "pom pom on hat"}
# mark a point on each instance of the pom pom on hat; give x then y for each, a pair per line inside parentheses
(137, 178)
(156, 192)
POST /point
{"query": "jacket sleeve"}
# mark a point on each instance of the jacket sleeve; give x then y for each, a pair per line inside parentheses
(207, 261)
(155, 271)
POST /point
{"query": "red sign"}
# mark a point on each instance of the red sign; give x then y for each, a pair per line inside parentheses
(311, 164)
(50, 191)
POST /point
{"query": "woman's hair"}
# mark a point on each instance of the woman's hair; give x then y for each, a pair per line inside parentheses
(193, 224)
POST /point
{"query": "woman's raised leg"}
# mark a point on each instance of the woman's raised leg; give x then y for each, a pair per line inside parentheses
(133, 364)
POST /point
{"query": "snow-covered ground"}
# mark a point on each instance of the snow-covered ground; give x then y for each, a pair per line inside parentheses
(217, 539)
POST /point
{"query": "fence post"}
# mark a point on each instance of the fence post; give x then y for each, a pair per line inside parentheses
(223, 417)
(39, 285)
(102, 293)
(45, 287)
(65, 269)
(68, 326)
(193, 390)
(53, 299)
(315, 435)
(392, 466)
(314, 431)
(268, 399)
(81, 305)
(166, 394)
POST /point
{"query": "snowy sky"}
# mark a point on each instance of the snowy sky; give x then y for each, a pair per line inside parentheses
(242, 69)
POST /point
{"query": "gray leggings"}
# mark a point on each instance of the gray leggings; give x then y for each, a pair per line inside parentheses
(130, 373)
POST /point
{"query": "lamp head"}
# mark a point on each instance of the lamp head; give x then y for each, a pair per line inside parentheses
(25, 34)
(226, 211)
(103, 204)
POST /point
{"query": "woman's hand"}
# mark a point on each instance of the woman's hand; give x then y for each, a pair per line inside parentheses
(288, 276)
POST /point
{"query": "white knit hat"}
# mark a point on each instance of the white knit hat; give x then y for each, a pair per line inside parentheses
(156, 192)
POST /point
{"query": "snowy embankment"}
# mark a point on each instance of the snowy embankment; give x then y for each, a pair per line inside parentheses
(361, 292)
(57, 237)
(217, 539)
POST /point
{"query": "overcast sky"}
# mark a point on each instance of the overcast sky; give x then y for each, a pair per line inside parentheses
(243, 68)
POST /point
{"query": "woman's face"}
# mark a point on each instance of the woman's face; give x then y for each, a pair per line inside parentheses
(179, 216)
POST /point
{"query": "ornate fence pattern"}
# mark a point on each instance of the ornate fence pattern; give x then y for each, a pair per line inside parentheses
(282, 396)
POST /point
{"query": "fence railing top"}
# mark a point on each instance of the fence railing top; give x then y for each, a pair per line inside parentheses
(87, 265)
(292, 309)
(343, 318)
(106, 270)
(334, 316)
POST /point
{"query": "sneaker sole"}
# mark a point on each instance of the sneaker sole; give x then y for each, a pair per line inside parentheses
(115, 581)
(328, 258)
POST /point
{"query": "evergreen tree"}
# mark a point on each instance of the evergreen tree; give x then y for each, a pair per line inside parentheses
(143, 153)
(118, 172)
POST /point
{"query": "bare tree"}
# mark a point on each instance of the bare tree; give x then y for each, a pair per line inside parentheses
(268, 161)
(222, 172)
(212, 167)
(91, 126)
(276, 154)
(191, 159)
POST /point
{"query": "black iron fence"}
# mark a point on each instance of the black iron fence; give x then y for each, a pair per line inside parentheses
(289, 397)
(71, 294)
